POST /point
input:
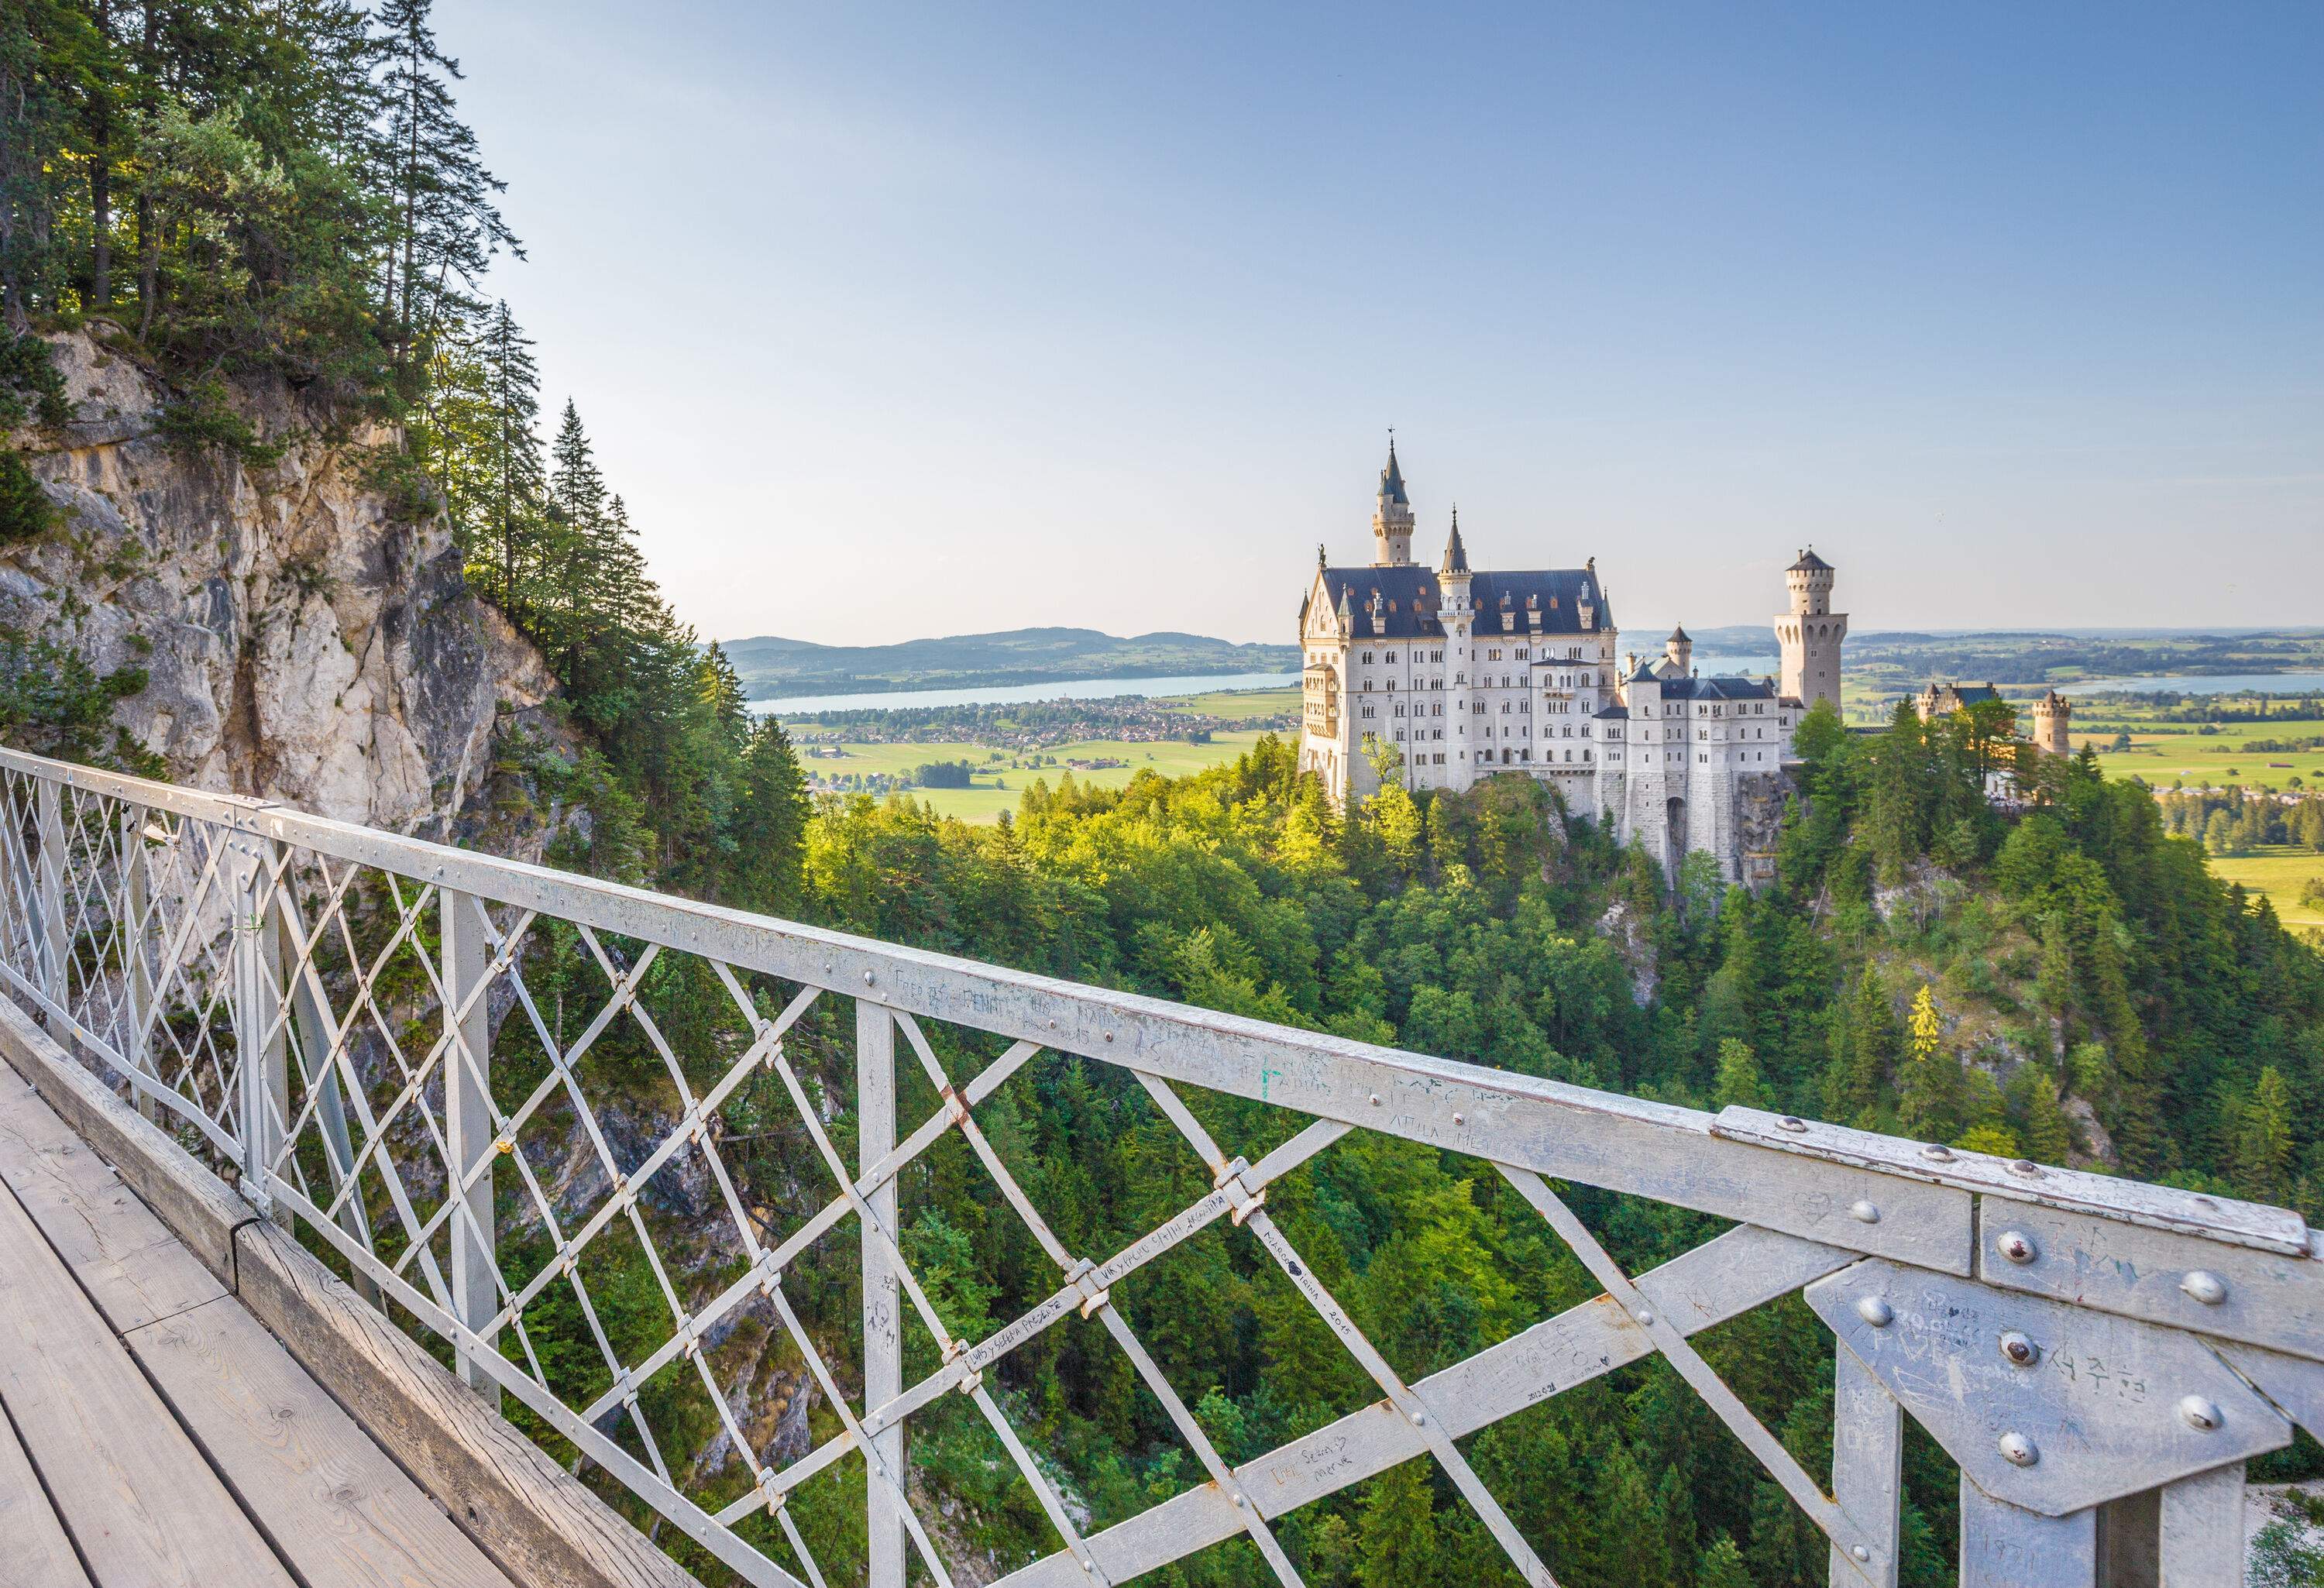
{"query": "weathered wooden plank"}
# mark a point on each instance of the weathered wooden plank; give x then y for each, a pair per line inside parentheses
(336, 1506)
(124, 1258)
(506, 1492)
(33, 1550)
(536, 1519)
(137, 1497)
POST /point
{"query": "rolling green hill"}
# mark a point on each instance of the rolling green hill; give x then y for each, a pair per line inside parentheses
(772, 666)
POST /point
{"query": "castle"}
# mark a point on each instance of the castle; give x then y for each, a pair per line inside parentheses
(2053, 714)
(1448, 676)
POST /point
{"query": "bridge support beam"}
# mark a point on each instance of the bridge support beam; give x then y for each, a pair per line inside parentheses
(883, 1346)
(469, 1134)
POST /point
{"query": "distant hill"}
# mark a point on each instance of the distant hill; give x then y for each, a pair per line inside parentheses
(772, 666)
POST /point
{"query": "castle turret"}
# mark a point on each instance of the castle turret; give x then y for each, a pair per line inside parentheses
(1811, 633)
(1454, 614)
(1681, 651)
(1392, 517)
(2052, 717)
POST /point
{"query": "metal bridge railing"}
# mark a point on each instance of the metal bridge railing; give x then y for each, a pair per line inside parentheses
(360, 1028)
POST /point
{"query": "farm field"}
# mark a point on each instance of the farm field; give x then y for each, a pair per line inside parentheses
(1233, 703)
(2278, 871)
(1000, 785)
(2219, 758)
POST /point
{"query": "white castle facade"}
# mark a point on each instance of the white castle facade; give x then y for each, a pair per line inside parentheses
(1449, 676)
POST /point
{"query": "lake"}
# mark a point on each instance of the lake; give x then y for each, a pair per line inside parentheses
(2205, 684)
(1068, 689)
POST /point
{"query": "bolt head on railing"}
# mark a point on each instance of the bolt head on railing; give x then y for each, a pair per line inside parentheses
(2201, 1412)
(1876, 1311)
(2019, 1451)
(2019, 1349)
(2205, 1286)
(2017, 1246)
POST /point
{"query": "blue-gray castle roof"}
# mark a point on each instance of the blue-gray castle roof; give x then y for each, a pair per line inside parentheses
(1410, 597)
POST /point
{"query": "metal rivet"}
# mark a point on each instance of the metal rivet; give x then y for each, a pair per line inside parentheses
(2026, 1167)
(1860, 1552)
(2201, 1412)
(1420, 1419)
(2020, 1350)
(1243, 1501)
(1873, 1310)
(1645, 1318)
(1937, 1152)
(1792, 1122)
(1457, 1119)
(1864, 1212)
(1376, 1103)
(2018, 1247)
(867, 978)
(2018, 1451)
(1108, 1036)
(2205, 1286)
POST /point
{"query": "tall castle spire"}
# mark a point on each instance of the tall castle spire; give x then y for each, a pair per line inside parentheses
(1392, 515)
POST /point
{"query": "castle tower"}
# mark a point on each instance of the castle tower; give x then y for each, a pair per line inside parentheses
(1392, 517)
(1811, 633)
(2051, 717)
(1681, 651)
(1453, 613)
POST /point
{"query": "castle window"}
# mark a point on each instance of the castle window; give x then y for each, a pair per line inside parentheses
(1368, 684)
(1368, 658)
(1523, 652)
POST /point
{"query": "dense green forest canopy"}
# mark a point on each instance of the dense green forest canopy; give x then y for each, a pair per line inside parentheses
(239, 193)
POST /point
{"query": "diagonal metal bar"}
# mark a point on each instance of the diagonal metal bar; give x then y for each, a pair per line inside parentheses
(1866, 1548)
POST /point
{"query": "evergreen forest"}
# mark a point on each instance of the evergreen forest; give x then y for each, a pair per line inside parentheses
(239, 192)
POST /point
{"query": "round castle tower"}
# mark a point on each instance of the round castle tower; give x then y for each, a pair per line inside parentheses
(1810, 634)
(1392, 517)
(2051, 716)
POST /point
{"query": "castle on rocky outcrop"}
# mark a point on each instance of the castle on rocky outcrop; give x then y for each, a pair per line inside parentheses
(1441, 677)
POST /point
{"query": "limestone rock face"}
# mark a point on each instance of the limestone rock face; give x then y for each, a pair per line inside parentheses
(303, 644)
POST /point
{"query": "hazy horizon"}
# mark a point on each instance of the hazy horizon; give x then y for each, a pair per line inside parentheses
(1065, 317)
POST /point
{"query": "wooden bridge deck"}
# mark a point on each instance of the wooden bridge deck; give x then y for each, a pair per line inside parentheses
(155, 1433)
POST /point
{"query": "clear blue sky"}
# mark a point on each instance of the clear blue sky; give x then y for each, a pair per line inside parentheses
(893, 320)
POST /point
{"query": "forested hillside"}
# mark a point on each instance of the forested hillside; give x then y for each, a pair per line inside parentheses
(246, 198)
(228, 193)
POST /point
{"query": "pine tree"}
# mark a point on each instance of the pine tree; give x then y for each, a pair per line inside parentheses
(512, 467)
(1928, 1083)
(1721, 1566)
(447, 228)
(1395, 1542)
(2048, 1133)
(1740, 1083)
(2263, 1143)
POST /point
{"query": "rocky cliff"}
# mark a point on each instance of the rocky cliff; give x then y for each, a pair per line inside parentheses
(301, 643)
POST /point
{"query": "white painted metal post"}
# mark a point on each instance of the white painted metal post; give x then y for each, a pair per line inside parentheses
(137, 975)
(51, 944)
(262, 1063)
(468, 1129)
(2202, 1542)
(2003, 1547)
(1868, 1448)
(883, 1353)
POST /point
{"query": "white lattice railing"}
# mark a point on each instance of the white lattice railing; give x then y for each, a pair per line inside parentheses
(380, 1039)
